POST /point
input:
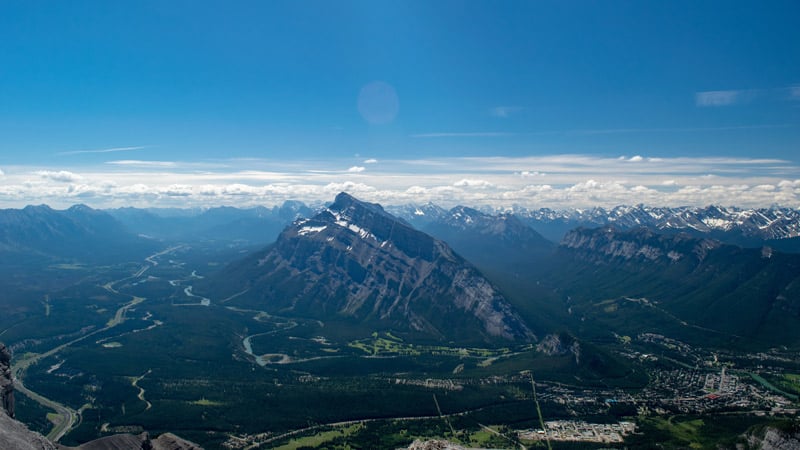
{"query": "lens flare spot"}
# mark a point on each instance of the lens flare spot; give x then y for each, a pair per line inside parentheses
(378, 103)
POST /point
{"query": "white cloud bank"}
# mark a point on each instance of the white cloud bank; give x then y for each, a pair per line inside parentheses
(63, 176)
(554, 181)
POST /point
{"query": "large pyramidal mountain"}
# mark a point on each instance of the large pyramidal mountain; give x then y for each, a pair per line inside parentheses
(354, 261)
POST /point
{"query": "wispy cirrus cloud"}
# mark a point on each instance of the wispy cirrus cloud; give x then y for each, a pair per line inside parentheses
(462, 135)
(140, 163)
(677, 129)
(504, 112)
(356, 169)
(740, 96)
(720, 98)
(602, 131)
(103, 150)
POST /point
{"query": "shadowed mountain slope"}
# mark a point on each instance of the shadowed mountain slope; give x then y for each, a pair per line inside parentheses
(353, 261)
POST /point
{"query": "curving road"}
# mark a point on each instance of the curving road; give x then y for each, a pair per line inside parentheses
(68, 418)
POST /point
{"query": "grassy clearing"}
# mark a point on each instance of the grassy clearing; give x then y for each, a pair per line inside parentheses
(320, 438)
(686, 430)
(790, 382)
(207, 402)
(763, 382)
(386, 344)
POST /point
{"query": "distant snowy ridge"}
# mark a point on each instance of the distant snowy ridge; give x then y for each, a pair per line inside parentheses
(764, 223)
(760, 223)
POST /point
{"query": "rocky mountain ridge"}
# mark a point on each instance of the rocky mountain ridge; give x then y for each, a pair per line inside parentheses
(79, 233)
(609, 242)
(258, 224)
(354, 260)
(694, 284)
(753, 223)
(744, 225)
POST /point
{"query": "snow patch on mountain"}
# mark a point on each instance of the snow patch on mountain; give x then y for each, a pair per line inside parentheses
(307, 230)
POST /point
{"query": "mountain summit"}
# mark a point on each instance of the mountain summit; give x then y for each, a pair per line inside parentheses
(354, 261)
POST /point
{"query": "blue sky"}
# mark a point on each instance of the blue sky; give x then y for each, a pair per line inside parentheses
(533, 103)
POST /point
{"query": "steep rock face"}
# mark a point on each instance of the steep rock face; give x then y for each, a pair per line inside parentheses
(6, 382)
(640, 243)
(746, 293)
(354, 260)
(14, 435)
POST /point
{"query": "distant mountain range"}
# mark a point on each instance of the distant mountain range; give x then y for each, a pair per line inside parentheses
(705, 274)
(746, 227)
(353, 261)
(41, 230)
(414, 270)
(499, 244)
(77, 234)
(257, 225)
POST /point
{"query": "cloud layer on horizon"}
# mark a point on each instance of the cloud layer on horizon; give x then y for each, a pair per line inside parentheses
(554, 181)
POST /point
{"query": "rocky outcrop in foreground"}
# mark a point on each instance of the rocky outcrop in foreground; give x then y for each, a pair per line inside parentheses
(435, 445)
(6, 383)
(166, 441)
(775, 439)
(15, 435)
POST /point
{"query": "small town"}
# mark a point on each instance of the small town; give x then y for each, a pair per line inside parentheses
(578, 431)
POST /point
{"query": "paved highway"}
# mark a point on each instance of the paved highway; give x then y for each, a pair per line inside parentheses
(68, 418)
